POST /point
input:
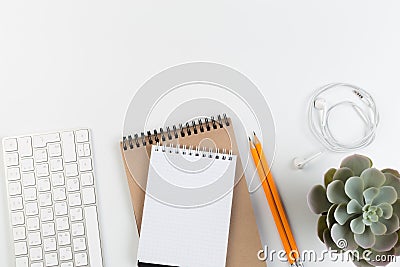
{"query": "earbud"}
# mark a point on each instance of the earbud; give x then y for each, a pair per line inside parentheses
(300, 162)
(320, 104)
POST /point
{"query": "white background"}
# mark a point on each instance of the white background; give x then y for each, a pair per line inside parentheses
(67, 64)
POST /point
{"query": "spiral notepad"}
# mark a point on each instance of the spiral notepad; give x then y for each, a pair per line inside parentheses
(175, 230)
(205, 133)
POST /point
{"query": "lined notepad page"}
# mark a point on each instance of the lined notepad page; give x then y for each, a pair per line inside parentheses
(187, 208)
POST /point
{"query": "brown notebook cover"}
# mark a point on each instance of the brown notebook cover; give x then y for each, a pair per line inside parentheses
(244, 240)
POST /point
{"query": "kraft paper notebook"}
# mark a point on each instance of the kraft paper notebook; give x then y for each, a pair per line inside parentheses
(244, 240)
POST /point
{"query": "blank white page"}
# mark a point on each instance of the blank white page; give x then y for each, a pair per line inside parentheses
(187, 208)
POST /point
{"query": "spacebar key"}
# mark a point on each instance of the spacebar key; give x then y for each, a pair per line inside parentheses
(68, 146)
(93, 236)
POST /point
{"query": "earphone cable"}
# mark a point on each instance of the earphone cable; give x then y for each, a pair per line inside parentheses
(322, 130)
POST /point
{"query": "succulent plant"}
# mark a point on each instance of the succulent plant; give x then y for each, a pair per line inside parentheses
(360, 210)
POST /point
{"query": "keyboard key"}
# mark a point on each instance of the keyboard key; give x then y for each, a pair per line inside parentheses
(62, 223)
(48, 229)
(12, 159)
(16, 203)
(30, 194)
(54, 150)
(59, 194)
(68, 146)
(42, 170)
(58, 179)
(80, 150)
(19, 233)
(37, 264)
(79, 244)
(31, 208)
(15, 188)
(40, 155)
(49, 244)
(86, 148)
(74, 199)
(78, 229)
(39, 141)
(76, 214)
(36, 253)
(26, 165)
(46, 214)
(45, 199)
(71, 169)
(13, 174)
(53, 137)
(22, 262)
(82, 136)
(10, 144)
(20, 248)
(43, 185)
(51, 259)
(85, 164)
(25, 146)
(72, 185)
(65, 253)
(17, 218)
(88, 196)
(60, 208)
(34, 239)
(28, 179)
(67, 264)
(32, 223)
(82, 260)
(56, 164)
(64, 239)
(87, 179)
(93, 238)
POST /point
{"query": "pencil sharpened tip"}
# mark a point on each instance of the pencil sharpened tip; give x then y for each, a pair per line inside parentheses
(254, 133)
(249, 139)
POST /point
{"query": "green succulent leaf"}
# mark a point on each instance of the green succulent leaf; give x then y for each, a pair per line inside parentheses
(343, 174)
(362, 263)
(365, 240)
(394, 172)
(341, 215)
(378, 228)
(386, 194)
(328, 241)
(385, 242)
(370, 194)
(317, 200)
(357, 163)
(335, 192)
(396, 208)
(328, 177)
(392, 224)
(354, 188)
(357, 225)
(393, 181)
(353, 207)
(340, 232)
(373, 178)
(387, 210)
(330, 218)
(322, 226)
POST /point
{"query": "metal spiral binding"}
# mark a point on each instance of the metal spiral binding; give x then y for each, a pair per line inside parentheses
(129, 142)
(197, 152)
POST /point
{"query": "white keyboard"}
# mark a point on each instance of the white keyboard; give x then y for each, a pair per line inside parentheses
(52, 199)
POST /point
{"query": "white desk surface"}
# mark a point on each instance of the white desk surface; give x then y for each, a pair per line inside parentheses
(66, 64)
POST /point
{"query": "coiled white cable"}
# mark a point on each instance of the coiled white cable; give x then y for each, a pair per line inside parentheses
(321, 128)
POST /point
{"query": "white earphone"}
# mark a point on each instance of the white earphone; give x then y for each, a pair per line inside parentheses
(320, 127)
